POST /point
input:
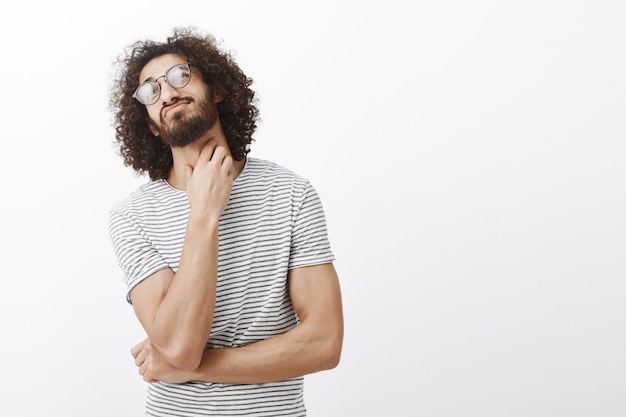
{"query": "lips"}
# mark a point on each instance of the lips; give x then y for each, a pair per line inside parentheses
(174, 107)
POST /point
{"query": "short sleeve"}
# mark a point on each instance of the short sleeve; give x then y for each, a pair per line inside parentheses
(309, 241)
(136, 256)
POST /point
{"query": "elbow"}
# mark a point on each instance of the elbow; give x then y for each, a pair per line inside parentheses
(185, 358)
(331, 345)
(330, 362)
(186, 363)
(332, 353)
(333, 358)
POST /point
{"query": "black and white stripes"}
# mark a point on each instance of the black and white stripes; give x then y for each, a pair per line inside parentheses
(273, 222)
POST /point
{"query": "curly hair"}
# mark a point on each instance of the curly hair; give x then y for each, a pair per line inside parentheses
(238, 112)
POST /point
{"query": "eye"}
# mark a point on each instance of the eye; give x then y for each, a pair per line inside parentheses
(178, 76)
(148, 92)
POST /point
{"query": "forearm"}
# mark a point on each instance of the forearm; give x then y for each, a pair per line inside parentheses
(176, 309)
(298, 352)
(313, 346)
(183, 319)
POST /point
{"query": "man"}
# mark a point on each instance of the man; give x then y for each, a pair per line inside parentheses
(226, 257)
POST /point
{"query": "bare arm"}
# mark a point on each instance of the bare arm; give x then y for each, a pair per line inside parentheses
(176, 309)
(313, 346)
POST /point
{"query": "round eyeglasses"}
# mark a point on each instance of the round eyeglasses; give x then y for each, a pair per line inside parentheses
(149, 91)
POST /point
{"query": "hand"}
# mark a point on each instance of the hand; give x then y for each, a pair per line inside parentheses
(209, 183)
(153, 368)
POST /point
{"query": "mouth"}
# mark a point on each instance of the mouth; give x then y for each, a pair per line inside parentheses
(173, 108)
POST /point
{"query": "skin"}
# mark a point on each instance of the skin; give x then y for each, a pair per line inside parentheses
(176, 309)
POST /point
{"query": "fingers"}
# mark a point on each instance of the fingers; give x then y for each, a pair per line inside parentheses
(145, 372)
(213, 152)
(138, 347)
(211, 156)
(220, 160)
(220, 156)
(227, 162)
(206, 153)
(142, 360)
(210, 180)
(143, 367)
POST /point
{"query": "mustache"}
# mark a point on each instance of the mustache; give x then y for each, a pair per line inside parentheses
(175, 101)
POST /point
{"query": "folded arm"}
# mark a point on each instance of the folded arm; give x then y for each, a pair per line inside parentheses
(313, 346)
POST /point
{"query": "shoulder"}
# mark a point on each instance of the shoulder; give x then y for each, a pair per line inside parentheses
(138, 197)
(261, 170)
(147, 199)
(266, 180)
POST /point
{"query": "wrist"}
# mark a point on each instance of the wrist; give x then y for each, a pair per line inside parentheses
(202, 220)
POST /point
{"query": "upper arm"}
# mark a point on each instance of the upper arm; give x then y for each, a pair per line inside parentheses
(316, 297)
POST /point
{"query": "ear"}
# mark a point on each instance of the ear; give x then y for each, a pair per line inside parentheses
(153, 129)
(218, 93)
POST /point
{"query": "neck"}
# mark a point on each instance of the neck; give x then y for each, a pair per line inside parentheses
(188, 156)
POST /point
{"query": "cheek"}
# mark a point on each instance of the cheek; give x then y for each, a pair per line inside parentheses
(154, 116)
(154, 128)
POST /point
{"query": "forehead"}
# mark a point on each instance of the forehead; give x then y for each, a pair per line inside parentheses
(157, 67)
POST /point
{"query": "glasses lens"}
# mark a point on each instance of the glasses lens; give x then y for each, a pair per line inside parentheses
(178, 76)
(148, 93)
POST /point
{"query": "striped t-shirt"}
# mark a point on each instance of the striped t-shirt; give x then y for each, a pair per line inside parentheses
(273, 222)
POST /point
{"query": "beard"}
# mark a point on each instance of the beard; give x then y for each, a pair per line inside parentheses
(186, 127)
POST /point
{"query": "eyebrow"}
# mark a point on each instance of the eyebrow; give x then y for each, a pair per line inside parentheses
(151, 78)
(148, 79)
(154, 79)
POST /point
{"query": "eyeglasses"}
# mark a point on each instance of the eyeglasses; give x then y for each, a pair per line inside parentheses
(149, 91)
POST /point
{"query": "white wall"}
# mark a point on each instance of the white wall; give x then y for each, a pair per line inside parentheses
(470, 156)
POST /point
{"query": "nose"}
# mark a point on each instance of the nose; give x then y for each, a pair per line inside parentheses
(167, 92)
